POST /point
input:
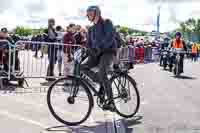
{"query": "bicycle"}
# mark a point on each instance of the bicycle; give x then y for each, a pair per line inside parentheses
(79, 84)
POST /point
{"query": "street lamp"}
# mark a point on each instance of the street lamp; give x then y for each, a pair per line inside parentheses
(158, 22)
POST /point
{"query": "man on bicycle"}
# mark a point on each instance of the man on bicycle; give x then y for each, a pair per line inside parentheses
(101, 49)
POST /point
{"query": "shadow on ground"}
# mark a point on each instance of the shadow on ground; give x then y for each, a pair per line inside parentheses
(47, 83)
(8, 88)
(185, 77)
(99, 127)
(132, 122)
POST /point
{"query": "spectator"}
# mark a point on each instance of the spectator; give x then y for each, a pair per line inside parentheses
(68, 41)
(80, 37)
(5, 36)
(77, 28)
(194, 52)
(15, 38)
(38, 39)
(69, 38)
(44, 38)
(60, 36)
(51, 49)
(131, 41)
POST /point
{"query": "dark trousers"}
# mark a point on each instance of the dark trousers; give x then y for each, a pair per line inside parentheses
(194, 57)
(52, 55)
(161, 60)
(37, 47)
(103, 61)
(16, 63)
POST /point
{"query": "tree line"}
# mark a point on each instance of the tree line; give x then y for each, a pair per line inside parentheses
(190, 29)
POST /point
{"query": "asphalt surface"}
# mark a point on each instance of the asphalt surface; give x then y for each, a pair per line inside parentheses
(22, 113)
(25, 110)
(168, 104)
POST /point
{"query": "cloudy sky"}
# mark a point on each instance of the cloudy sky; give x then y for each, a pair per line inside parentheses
(139, 14)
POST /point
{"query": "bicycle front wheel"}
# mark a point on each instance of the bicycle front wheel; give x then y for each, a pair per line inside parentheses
(70, 101)
(125, 95)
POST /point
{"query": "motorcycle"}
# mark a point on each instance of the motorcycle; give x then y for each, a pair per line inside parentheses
(177, 62)
(171, 59)
(165, 57)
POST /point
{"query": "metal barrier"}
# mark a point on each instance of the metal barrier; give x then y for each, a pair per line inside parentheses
(38, 62)
(147, 54)
(25, 67)
(5, 59)
(138, 55)
(51, 54)
(6, 63)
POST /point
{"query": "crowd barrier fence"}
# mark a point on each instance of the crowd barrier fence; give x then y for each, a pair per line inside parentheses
(38, 62)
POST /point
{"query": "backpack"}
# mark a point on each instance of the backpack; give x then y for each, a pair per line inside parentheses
(118, 38)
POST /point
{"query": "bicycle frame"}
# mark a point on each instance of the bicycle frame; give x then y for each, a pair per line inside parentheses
(77, 73)
(89, 85)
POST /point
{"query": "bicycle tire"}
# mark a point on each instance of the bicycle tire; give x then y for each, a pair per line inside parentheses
(132, 81)
(90, 100)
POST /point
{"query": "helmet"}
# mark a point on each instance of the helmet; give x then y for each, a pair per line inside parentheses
(95, 9)
(178, 34)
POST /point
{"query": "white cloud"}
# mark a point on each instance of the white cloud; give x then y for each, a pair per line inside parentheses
(137, 14)
(5, 4)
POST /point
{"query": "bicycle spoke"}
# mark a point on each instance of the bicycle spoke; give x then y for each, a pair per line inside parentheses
(125, 103)
(72, 105)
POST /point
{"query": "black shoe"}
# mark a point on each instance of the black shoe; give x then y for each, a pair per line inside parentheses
(110, 106)
(115, 67)
(181, 71)
(131, 66)
(60, 74)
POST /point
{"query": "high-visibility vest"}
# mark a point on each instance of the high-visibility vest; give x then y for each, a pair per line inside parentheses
(194, 49)
(177, 45)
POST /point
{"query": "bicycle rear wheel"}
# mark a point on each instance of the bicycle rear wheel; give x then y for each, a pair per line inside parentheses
(125, 95)
(70, 101)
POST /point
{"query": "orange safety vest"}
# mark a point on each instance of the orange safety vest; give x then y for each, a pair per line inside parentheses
(194, 49)
(177, 45)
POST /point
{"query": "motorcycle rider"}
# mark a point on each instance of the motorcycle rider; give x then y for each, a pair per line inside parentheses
(163, 46)
(101, 46)
(178, 43)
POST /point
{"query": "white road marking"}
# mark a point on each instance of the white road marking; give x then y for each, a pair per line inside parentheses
(144, 102)
(18, 117)
(39, 106)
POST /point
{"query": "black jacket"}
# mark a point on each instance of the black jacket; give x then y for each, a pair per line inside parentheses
(102, 35)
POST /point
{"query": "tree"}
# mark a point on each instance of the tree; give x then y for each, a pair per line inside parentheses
(190, 29)
(22, 31)
(124, 30)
